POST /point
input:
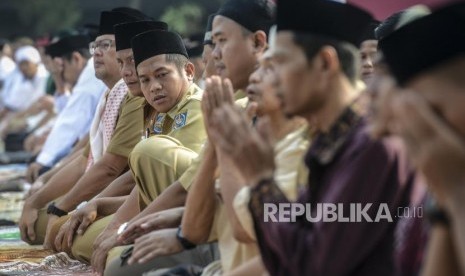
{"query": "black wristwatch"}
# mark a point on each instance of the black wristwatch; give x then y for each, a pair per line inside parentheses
(186, 244)
(52, 209)
(435, 214)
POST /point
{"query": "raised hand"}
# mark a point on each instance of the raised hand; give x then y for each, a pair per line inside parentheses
(436, 149)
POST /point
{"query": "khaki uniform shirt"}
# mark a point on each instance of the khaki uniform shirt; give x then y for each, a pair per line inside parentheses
(130, 126)
(184, 121)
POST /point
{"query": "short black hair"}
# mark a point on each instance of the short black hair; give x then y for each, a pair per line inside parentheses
(179, 60)
(83, 52)
(347, 53)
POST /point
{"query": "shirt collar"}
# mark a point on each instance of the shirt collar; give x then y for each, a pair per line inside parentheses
(239, 94)
(193, 89)
(327, 145)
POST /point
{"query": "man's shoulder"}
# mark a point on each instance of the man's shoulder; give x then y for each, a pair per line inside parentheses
(389, 149)
(132, 104)
(195, 93)
(192, 100)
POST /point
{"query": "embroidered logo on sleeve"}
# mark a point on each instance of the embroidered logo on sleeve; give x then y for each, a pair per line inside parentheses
(158, 126)
(180, 120)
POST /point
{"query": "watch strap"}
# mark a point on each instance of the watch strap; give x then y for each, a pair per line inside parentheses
(53, 210)
(186, 244)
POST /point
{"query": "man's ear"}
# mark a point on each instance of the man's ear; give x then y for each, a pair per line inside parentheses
(260, 41)
(190, 70)
(329, 60)
(76, 58)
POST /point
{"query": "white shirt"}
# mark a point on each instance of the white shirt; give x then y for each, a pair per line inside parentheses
(7, 66)
(74, 121)
(19, 93)
(60, 101)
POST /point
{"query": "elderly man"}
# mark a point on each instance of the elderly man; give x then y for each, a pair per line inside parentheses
(316, 59)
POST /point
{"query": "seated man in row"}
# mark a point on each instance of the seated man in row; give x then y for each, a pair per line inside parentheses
(174, 123)
(115, 131)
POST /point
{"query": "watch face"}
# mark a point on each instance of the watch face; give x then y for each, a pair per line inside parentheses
(121, 228)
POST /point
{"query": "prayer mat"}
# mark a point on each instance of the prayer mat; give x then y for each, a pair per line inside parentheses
(19, 258)
(16, 256)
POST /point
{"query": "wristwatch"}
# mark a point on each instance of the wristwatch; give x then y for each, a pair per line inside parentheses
(435, 214)
(186, 244)
(53, 210)
(121, 228)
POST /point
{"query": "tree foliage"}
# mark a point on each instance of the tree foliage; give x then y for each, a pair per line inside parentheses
(45, 16)
(185, 19)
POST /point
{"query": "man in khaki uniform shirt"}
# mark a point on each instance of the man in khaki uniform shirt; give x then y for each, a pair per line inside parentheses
(237, 68)
(126, 134)
(132, 125)
(184, 123)
(176, 129)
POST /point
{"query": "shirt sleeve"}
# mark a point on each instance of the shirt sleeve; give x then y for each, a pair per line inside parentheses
(332, 248)
(241, 208)
(188, 176)
(129, 127)
(192, 134)
(71, 125)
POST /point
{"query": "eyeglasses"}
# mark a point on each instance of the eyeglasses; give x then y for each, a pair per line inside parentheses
(103, 45)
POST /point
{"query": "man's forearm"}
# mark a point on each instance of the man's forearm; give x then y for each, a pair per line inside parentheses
(81, 144)
(121, 186)
(60, 183)
(128, 210)
(201, 200)
(50, 173)
(76, 152)
(231, 182)
(97, 178)
(109, 205)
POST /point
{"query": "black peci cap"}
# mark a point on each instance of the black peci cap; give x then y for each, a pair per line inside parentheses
(67, 45)
(253, 15)
(369, 32)
(126, 31)
(332, 19)
(156, 42)
(194, 45)
(425, 42)
(108, 19)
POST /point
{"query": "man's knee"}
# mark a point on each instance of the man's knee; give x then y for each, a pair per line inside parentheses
(157, 162)
(83, 245)
(163, 149)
